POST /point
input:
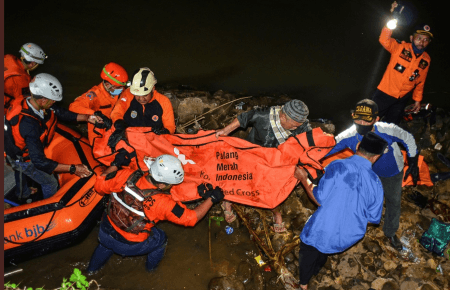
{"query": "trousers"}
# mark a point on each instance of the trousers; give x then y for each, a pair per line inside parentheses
(392, 187)
(390, 109)
(311, 261)
(48, 182)
(110, 242)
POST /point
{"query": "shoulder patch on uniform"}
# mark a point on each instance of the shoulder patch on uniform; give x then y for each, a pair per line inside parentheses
(110, 175)
(178, 210)
(91, 95)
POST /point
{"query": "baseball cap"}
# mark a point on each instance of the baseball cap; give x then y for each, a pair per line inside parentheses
(423, 29)
(366, 110)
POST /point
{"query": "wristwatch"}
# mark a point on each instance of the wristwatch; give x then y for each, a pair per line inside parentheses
(72, 169)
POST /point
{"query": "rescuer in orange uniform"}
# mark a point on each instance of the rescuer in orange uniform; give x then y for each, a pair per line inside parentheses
(138, 201)
(142, 106)
(29, 128)
(17, 71)
(406, 72)
(102, 97)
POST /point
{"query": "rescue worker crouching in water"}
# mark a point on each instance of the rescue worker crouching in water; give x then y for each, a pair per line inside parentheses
(142, 106)
(140, 200)
(17, 72)
(100, 99)
(270, 128)
(29, 128)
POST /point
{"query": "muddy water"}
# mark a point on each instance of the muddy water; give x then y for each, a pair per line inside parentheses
(186, 265)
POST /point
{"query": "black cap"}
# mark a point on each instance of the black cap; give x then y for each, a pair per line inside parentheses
(372, 143)
(366, 110)
(423, 29)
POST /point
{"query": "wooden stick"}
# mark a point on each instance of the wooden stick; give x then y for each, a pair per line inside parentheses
(209, 234)
(195, 119)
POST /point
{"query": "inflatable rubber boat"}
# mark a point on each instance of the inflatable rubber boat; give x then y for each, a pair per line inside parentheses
(47, 225)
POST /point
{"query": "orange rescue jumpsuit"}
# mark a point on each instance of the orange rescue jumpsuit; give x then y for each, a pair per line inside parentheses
(402, 66)
(96, 99)
(156, 114)
(157, 207)
(17, 80)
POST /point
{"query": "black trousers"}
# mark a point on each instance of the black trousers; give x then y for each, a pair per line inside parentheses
(390, 109)
(310, 261)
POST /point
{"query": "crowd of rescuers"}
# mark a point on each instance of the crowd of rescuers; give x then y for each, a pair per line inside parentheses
(31, 115)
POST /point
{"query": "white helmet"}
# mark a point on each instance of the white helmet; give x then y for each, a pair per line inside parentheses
(47, 86)
(166, 168)
(143, 82)
(33, 52)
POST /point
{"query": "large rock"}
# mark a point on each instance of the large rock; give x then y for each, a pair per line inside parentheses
(225, 283)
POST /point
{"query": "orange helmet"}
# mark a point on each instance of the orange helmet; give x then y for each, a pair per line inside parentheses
(115, 74)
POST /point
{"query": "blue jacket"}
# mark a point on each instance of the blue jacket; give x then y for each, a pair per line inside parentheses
(350, 195)
(391, 162)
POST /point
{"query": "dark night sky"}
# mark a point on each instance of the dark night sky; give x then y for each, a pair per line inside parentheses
(325, 53)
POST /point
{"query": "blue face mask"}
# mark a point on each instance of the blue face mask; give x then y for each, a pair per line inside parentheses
(116, 92)
(416, 50)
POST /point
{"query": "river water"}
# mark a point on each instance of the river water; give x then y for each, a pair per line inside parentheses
(326, 54)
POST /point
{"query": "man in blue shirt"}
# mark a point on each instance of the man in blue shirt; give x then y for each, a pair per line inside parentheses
(390, 166)
(349, 196)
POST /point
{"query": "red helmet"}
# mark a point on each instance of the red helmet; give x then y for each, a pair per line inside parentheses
(115, 74)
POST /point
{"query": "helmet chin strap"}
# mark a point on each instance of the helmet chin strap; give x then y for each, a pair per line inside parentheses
(26, 66)
(158, 184)
(108, 90)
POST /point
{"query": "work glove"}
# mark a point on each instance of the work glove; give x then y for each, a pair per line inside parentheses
(117, 135)
(160, 131)
(122, 158)
(204, 190)
(107, 123)
(418, 199)
(413, 169)
(217, 195)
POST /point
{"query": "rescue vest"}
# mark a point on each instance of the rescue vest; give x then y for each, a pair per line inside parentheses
(248, 173)
(12, 129)
(125, 208)
(13, 67)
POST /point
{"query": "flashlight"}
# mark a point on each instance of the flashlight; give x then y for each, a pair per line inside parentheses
(392, 24)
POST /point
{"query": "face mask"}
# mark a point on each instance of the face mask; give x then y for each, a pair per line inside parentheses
(116, 92)
(416, 50)
(363, 129)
